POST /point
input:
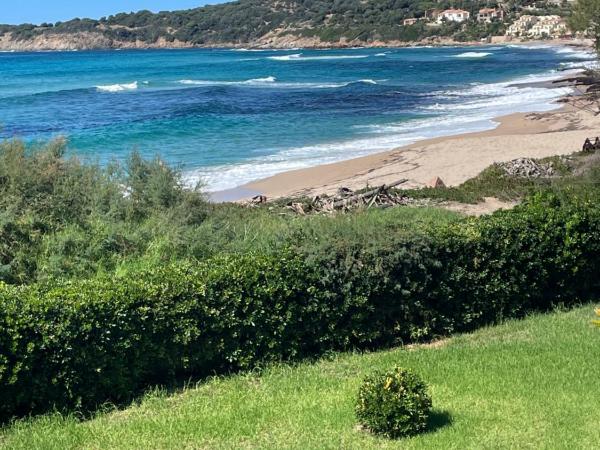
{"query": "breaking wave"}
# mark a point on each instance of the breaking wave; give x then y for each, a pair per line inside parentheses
(118, 87)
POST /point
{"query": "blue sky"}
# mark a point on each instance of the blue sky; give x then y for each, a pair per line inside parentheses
(37, 11)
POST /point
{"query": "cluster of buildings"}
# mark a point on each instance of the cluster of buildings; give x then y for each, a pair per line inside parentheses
(538, 27)
(435, 16)
(526, 26)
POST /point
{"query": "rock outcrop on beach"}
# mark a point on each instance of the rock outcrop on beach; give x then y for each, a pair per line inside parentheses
(78, 41)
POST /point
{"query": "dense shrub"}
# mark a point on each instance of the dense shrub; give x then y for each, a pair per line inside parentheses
(394, 404)
(62, 218)
(80, 343)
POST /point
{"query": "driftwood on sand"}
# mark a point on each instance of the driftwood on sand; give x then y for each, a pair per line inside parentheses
(346, 199)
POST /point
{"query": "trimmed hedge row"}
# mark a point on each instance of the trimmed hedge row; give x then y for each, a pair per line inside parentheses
(79, 344)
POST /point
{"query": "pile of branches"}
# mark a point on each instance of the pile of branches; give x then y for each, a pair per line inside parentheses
(346, 200)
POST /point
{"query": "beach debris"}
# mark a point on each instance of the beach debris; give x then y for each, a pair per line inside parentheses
(298, 208)
(346, 199)
(436, 182)
(528, 168)
(344, 192)
(589, 147)
(259, 200)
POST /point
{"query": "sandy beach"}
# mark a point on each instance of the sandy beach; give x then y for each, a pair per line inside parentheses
(454, 159)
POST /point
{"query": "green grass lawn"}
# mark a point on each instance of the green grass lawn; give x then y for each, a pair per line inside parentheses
(525, 384)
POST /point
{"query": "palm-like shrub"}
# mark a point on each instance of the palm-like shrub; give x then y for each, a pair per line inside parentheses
(393, 404)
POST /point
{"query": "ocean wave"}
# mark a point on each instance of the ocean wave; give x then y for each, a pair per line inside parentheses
(472, 109)
(571, 52)
(253, 81)
(285, 57)
(472, 55)
(529, 46)
(118, 87)
(376, 138)
(300, 57)
(581, 65)
(577, 53)
(272, 82)
(495, 99)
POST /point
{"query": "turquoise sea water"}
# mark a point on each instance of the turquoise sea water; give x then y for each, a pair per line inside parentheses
(230, 116)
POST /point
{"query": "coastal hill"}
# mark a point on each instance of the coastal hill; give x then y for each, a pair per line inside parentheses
(282, 23)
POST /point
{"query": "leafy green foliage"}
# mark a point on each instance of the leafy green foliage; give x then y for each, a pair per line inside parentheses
(494, 182)
(245, 21)
(59, 217)
(485, 386)
(586, 18)
(77, 344)
(394, 404)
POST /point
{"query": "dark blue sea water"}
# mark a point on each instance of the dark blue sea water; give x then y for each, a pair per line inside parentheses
(233, 116)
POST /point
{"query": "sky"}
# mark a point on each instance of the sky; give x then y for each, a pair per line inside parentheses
(38, 11)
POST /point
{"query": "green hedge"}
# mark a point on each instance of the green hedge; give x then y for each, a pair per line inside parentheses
(79, 344)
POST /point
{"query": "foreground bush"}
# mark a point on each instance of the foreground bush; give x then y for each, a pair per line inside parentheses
(81, 343)
(394, 404)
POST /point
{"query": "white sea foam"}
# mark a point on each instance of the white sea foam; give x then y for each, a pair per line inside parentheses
(300, 57)
(571, 52)
(272, 82)
(264, 49)
(253, 81)
(578, 53)
(118, 87)
(472, 55)
(285, 57)
(529, 46)
(474, 109)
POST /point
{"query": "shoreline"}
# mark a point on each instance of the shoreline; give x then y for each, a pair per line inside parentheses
(67, 45)
(378, 167)
(454, 158)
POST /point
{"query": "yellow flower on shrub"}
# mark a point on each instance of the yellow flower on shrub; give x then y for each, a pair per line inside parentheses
(394, 404)
(388, 383)
(597, 322)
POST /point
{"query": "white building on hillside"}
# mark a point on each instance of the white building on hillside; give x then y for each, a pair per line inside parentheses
(549, 26)
(538, 27)
(521, 26)
(454, 15)
(488, 15)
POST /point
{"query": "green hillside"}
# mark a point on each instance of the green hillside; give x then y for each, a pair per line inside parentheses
(247, 21)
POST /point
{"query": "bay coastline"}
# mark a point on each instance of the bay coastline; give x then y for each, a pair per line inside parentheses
(454, 158)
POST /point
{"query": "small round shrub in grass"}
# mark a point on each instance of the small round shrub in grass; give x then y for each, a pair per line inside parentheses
(393, 404)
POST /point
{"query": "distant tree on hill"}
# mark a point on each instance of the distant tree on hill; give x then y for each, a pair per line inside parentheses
(586, 17)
